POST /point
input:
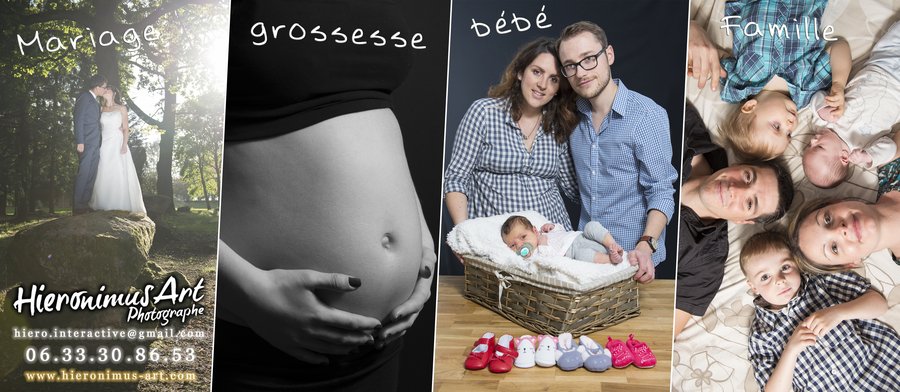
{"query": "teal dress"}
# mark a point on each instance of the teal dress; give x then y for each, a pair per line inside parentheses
(889, 181)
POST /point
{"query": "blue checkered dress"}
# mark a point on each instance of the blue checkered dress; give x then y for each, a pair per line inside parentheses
(802, 62)
(491, 166)
(857, 355)
(625, 170)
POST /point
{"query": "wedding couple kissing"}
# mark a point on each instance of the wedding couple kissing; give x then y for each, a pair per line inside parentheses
(106, 179)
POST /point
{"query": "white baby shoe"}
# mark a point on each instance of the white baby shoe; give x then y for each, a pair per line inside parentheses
(545, 355)
(525, 347)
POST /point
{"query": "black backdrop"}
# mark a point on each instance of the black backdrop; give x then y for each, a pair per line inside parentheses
(419, 106)
(650, 41)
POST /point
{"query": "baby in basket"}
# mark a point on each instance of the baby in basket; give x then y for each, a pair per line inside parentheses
(861, 135)
(815, 332)
(594, 244)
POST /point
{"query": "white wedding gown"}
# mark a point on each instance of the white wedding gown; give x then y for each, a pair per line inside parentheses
(116, 186)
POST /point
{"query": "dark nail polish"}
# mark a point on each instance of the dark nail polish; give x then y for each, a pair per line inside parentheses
(425, 272)
(355, 282)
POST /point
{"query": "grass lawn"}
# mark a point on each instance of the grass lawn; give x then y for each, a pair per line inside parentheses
(184, 242)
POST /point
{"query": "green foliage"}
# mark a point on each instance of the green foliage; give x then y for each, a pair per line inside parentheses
(38, 161)
(198, 149)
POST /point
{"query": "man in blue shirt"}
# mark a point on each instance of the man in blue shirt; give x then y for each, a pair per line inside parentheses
(621, 150)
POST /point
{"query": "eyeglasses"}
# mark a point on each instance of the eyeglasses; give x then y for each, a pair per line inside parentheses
(588, 63)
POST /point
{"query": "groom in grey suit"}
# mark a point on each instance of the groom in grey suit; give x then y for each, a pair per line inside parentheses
(87, 141)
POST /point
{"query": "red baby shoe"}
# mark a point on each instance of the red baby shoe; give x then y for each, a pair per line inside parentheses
(504, 355)
(621, 355)
(643, 357)
(481, 353)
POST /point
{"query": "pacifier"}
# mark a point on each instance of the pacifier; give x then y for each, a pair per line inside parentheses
(526, 249)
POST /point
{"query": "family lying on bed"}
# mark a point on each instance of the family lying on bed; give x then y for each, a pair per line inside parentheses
(810, 331)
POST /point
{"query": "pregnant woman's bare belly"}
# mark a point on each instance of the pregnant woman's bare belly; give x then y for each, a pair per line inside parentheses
(333, 197)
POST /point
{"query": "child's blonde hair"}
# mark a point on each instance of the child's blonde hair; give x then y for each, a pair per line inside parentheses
(737, 133)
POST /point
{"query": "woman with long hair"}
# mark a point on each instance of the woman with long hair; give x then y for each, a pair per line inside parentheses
(511, 151)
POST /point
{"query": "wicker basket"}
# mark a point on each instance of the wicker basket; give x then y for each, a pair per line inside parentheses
(546, 308)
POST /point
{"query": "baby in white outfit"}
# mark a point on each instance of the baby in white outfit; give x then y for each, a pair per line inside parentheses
(593, 245)
(861, 135)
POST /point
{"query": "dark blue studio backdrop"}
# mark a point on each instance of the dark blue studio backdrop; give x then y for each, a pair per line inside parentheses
(419, 106)
(649, 38)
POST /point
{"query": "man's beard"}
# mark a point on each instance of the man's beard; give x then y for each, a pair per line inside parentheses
(594, 92)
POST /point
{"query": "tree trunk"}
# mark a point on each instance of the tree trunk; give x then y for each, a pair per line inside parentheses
(216, 166)
(52, 175)
(107, 58)
(203, 180)
(164, 185)
(23, 158)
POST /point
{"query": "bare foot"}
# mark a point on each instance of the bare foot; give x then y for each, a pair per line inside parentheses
(615, 253)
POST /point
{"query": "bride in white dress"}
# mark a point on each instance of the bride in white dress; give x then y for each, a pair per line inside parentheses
(116, 186)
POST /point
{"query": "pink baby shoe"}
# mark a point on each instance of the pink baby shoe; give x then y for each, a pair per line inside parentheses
(621, 355)
(643, 357)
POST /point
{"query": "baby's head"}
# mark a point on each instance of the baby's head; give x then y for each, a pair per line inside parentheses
(770, 268)
(826, 160)
(760, 128)
(518, 231)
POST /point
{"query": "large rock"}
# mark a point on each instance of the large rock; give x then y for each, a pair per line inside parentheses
(82, 252)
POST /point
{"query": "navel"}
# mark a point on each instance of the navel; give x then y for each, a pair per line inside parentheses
(387, 240)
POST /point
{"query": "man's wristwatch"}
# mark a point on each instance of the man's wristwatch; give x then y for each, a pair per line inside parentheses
(650, 241)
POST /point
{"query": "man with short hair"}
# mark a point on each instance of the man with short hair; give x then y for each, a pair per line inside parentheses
(713, 194)
(621, 150)
(87, 142)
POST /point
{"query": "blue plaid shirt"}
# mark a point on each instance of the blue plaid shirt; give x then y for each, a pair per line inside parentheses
(857, 355)
(804, 64)
(625, 170)
(491, 166)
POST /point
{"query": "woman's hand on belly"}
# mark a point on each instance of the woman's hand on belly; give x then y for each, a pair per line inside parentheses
(283, 308)
(404, 315)
(333, 197)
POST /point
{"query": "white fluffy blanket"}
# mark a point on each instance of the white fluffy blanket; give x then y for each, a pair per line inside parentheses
(481, 237)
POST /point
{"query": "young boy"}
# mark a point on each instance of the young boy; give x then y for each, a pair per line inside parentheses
(772, 75)
(815, 332)
(861, 135)
(594, 245)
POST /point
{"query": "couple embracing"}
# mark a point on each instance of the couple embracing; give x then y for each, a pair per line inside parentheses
(107, 179)
(558, 121)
